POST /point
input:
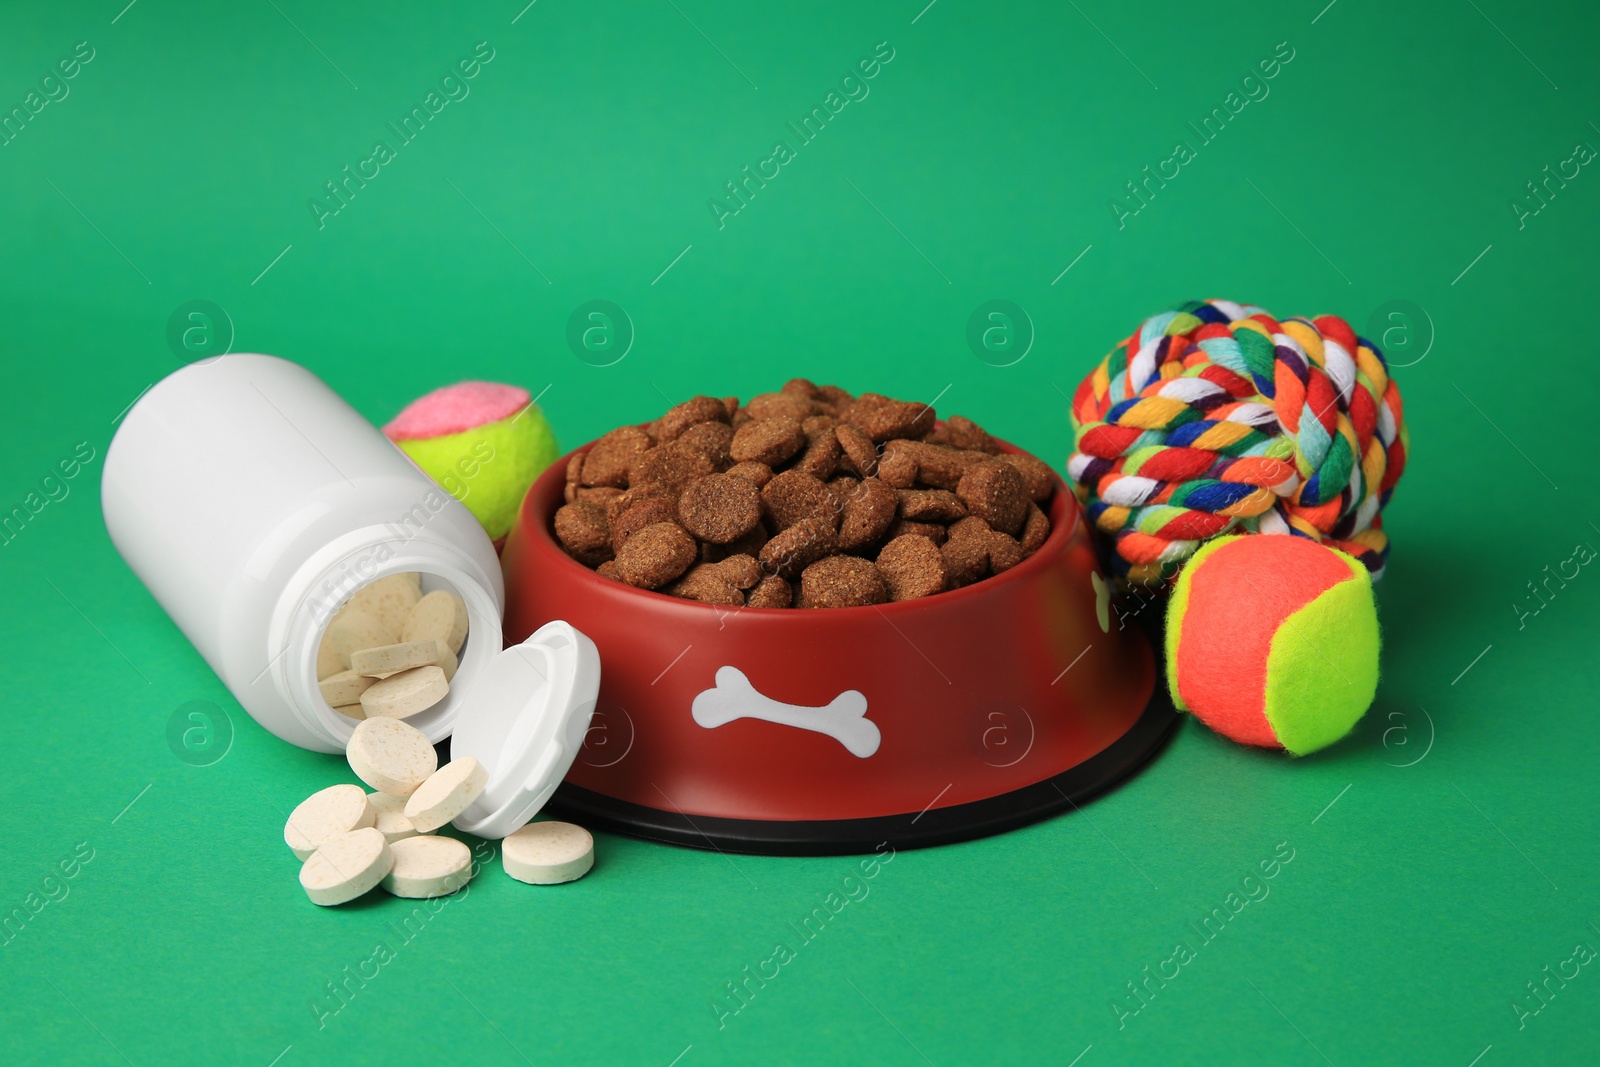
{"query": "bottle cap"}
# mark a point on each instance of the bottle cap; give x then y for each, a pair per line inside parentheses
(524, 719)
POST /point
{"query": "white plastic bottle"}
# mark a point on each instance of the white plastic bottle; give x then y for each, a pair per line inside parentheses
(252, 501)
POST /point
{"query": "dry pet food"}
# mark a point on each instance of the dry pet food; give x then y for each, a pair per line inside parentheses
(807, 497)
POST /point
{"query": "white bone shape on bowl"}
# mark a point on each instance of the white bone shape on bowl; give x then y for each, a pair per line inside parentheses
(844, 718)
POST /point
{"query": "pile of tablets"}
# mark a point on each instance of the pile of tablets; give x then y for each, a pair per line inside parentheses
(391, 651)
(395, 650)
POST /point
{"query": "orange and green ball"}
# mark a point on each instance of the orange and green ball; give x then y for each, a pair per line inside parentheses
(1272, 640)
(484, 442)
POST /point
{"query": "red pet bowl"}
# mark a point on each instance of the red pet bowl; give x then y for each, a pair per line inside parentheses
(790, 731)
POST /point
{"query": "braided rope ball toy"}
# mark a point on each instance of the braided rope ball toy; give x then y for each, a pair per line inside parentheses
(1217, 418)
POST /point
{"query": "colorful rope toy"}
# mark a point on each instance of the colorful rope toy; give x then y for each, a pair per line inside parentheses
(1217, 418)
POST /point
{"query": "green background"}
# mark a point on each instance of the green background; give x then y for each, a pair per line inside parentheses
(1380, 168)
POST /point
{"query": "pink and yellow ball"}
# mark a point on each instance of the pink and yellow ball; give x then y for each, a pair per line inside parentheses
(483, 442)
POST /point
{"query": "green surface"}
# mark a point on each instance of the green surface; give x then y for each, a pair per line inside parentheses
(1429, 880)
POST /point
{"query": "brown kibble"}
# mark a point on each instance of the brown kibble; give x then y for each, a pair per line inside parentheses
(647, 511)
(1037, 476)
(1004, 553)
(690, 413)
(647, 491)
(713, 439)
(937, 465)
(719, 508)
(748, 545)
(931, 505)
(962, 432)
(821, 457)
(842, 487)
(606, 462)
(770, 592)
(1035, 530)
(971, 526)
(868, 513)
(965, 560)
(795, 496)
(842, 582)
(834, 395)
(972, 538)
(757, 474)
(966, 551)
(931, 530)
(574, 476)
(804, 497)
(781, 405)
(881, 418)
(671, 465)
(858, 448)
(994, 492)
(897, 467)
(599, 494)
(771, 441)
(912, 567)
(741, 571)
(705, 583)
(638, 495)
(799, 546)
(581, 529)
(656, 555)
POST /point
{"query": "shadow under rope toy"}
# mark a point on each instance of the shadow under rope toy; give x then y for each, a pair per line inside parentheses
(1217, 419)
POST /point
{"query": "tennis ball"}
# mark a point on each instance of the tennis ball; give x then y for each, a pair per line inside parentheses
(1272, 640)
(483, 442)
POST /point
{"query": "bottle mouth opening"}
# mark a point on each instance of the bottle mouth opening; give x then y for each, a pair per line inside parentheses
(439, 567)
